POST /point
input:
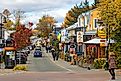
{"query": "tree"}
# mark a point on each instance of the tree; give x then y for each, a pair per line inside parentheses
(21, 36)
(72, 15)
(8, 24)
(110, 13)
(18, 14)
(45, 25)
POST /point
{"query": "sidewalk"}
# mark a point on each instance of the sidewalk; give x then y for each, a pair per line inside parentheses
(9, 72)
(76, 68)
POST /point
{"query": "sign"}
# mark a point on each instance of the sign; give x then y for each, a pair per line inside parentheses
(80, 36)
(102, 42)
(9, 53)
(102, 33)
(71, 33)
(6, 12)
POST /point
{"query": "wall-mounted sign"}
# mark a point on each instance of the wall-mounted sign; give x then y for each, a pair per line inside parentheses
(71, 33)
(102, 33)
(80, 36)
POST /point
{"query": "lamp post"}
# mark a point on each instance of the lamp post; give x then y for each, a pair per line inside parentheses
(107, 29)
(3, 20)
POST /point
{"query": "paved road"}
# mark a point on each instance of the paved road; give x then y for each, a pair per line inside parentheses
(45, 69)
(43, 64)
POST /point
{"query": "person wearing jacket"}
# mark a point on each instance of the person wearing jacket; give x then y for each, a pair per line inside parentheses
(53, 53)
(112, 64)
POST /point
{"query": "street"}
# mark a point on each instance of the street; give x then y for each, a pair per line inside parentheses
(45, 69)
(43, 64)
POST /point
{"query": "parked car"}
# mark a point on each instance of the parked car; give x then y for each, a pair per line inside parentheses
(37, 53)
(21, 58)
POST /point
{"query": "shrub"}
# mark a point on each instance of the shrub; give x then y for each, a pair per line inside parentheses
(20, 67)
(119, 62)
(99, 63)
(96, 64)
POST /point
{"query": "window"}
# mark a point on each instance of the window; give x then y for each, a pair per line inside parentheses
(95, 23)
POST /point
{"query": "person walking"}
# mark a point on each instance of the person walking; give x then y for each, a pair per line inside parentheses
(112, 65)
(53, 53)
(47, 48)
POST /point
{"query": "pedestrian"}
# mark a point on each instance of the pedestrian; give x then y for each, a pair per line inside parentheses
(57, 54)
(47, 48)
(112, 65)
(53, 53)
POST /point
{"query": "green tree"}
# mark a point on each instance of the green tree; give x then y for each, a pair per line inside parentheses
(18, 14)
(45, 25)
(110, 13)
(73, 13)
(8, 24)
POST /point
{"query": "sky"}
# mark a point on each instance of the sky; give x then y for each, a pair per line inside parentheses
(35, 9)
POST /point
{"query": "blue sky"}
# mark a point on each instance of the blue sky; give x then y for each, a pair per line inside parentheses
(36, 8)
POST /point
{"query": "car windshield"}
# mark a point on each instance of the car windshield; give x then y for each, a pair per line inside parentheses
(38, 48)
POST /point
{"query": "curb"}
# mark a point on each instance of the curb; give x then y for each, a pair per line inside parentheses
(12, 73)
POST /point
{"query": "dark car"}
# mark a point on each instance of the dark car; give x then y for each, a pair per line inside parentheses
(38, 48)
(21, 58)
(37, 53)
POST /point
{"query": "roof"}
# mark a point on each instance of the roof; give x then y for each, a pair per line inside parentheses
(97, 41)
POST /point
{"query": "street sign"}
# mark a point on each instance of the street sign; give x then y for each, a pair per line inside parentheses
(6, 12)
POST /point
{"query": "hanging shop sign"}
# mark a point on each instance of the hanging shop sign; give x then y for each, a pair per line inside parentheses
(80, 36)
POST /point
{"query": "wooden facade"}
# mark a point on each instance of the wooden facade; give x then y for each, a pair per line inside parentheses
(95, 50)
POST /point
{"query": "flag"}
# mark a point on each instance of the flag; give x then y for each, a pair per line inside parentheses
(59, 36)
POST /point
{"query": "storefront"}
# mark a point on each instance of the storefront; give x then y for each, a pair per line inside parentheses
(95, 48)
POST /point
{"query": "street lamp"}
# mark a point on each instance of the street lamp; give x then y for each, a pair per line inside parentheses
(3, 20)
(107, 28)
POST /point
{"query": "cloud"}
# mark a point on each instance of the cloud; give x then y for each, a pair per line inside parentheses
(36, 8)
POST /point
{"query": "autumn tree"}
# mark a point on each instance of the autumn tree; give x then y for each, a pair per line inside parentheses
(110, 13)
(45, 25)
(22, 36)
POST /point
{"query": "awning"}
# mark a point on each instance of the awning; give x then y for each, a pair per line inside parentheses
(91, 32)
(97, 41)
(9, 48)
